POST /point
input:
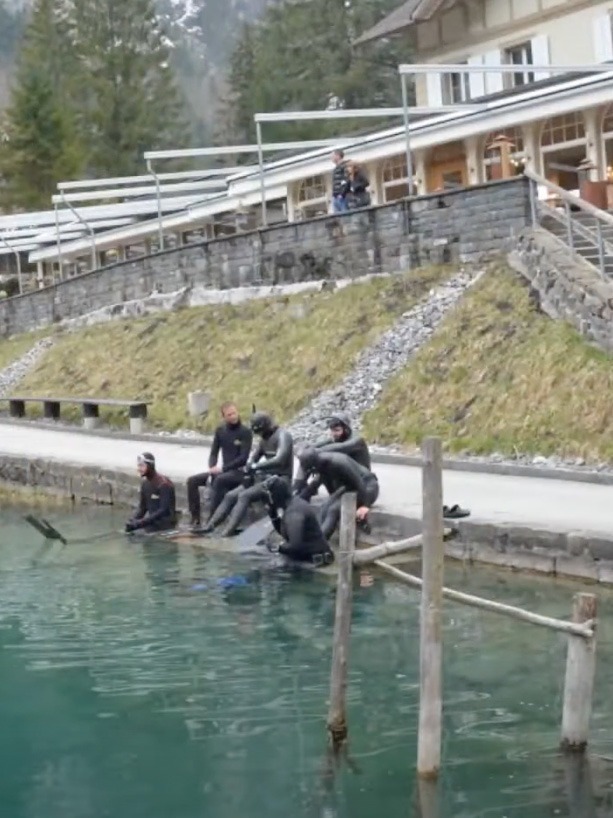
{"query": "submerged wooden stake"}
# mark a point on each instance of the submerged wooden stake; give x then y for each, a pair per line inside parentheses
(430, 645)
(337, 716)
(579, 681)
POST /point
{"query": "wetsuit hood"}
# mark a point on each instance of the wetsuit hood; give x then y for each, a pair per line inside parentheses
(310, 459)
(341, 419)
(279, 491)
(262, 424)
(148, 460)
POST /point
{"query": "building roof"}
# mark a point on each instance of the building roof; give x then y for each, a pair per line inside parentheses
(408, 14)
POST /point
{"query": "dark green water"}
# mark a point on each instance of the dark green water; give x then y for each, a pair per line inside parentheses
(127, 692)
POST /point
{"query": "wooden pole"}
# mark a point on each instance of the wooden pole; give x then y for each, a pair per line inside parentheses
(579, 786)
(584, 630)
(337, 716)
(431, 645)
(386, 549)
(429, 800)
(579, 681)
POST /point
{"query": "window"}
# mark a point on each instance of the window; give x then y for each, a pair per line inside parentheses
(311, 188)
(395, 178)
(520, 55)
(563, 129)
(456, 88)
(452, 179)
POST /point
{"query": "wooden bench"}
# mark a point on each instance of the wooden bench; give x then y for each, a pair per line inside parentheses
(137, 410)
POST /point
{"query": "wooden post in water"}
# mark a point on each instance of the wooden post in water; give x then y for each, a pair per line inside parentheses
(337, 716)
(430, 644)
(579, 681)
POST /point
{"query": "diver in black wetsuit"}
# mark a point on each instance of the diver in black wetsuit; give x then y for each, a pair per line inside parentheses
(342, 440)
(297, 522)
(233, 440)
(157, 505)
(337, 472)
(274, 455)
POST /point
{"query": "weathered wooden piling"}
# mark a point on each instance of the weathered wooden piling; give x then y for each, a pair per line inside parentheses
(337, 715)
(431, 643)
(579, 680)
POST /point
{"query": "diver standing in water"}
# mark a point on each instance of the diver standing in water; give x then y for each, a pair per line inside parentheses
(156, 509)
(297, 522)
(340, 473)
(274, 455)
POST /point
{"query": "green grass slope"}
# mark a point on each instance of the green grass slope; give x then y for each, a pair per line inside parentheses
(277, 353)
(500, 376)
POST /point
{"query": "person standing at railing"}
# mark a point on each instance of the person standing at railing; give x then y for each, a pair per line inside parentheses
(357, 193)
(340, 183)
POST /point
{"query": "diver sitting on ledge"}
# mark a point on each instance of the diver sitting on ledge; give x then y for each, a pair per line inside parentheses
(274, 455)
(340, 472)
(342, 440)
(157, 505)
(297, 522)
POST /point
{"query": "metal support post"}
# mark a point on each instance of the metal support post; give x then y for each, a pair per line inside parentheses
(159, 201)
(18, 260)
(569, 227)
(407, 132)
(601, 253)
(58, 241)
(258, 129)
(89, 228)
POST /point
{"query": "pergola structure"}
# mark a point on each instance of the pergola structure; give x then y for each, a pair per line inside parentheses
(240, 183)
(347, 113)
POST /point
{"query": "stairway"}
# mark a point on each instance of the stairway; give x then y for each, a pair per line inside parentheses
(580, 223)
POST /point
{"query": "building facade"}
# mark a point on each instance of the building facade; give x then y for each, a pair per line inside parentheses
(532, 118)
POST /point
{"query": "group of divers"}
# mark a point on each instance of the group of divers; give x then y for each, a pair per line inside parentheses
(339, 463)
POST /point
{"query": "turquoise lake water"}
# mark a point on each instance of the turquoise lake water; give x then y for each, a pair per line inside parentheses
(133, 685)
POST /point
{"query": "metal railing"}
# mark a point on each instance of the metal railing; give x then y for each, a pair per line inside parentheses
(599, 249)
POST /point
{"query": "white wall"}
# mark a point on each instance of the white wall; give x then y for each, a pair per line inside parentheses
(570, 37)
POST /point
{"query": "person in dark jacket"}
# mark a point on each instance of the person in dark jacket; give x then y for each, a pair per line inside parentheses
(339, 473)
(340, 183)
(357, 189)
(233, 440)
(297, 522)
(342, 440)
(274, 455)
(157, 505)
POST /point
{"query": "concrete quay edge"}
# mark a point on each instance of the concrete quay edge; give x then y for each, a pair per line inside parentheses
(579, 555)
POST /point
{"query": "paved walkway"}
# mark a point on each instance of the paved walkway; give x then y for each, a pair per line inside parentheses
(537, 502)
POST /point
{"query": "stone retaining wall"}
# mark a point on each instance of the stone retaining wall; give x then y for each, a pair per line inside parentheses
(461, 225)
(568, 286)
(577, 554)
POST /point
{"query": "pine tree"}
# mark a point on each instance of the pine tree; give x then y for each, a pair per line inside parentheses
(302, 54)
(129, 100)
(42, 144)
(236, 108)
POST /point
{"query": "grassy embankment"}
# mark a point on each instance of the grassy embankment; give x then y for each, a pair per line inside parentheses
(278, 353)
(499, 376)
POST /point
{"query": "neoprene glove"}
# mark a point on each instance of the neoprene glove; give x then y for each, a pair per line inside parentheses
(133, 525)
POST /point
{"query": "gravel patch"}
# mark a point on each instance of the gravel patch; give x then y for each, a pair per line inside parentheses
(11, 375)
(359, 391)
